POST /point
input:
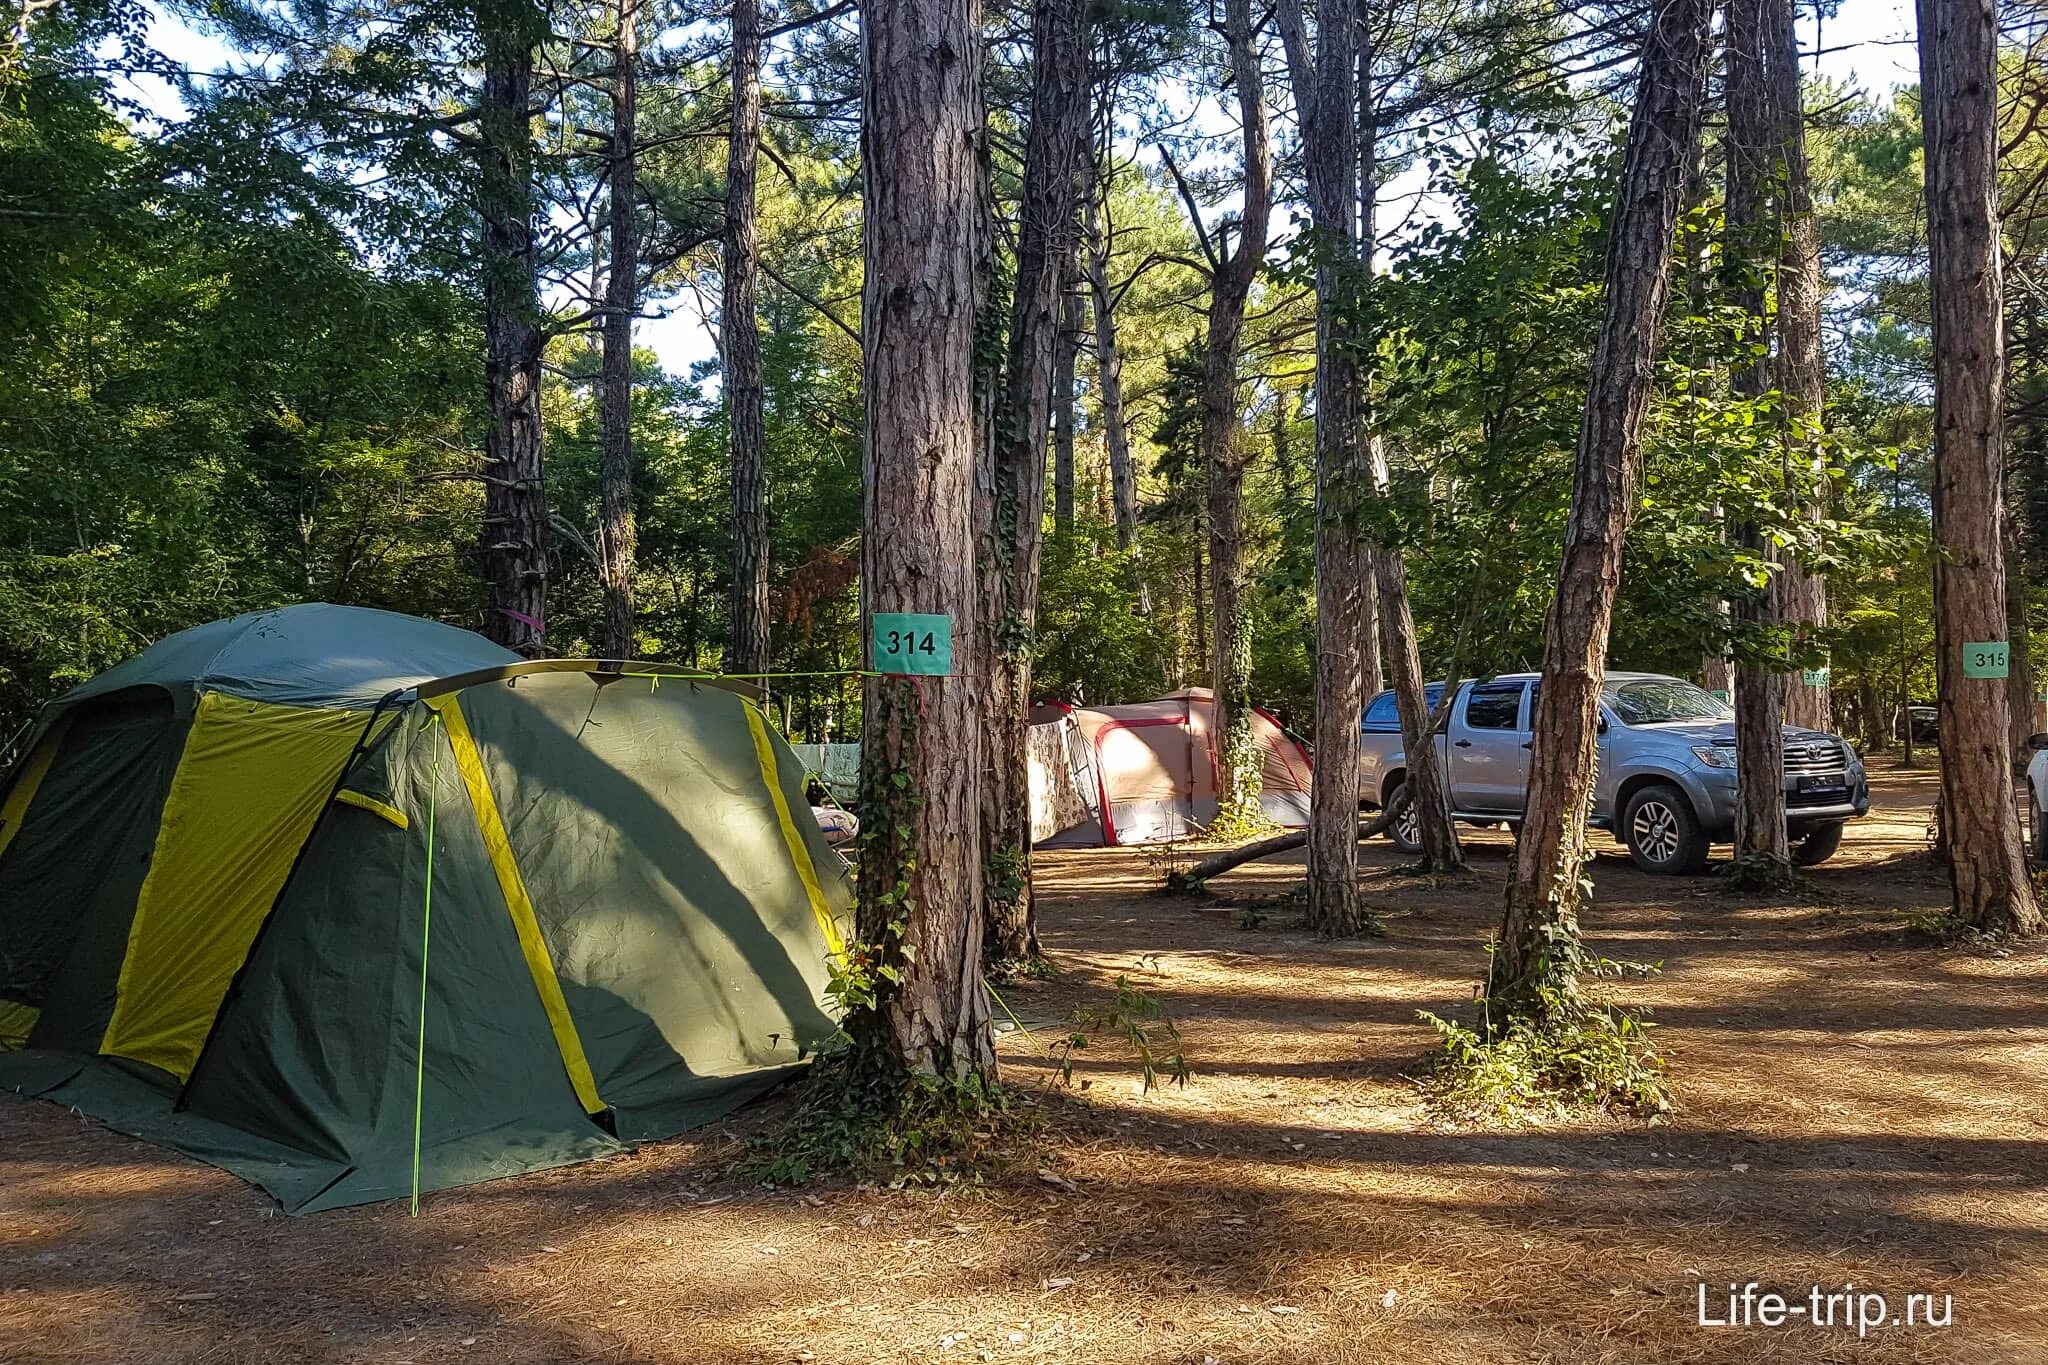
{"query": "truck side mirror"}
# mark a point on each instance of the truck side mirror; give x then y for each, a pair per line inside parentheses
(1600, 726)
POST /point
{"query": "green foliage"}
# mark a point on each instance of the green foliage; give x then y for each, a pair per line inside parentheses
(1091, 643)
(918, 1130)
(1142, 1023)
(1601, 1059)
(1550, 1040)
(1944, 928)
(1756, 875)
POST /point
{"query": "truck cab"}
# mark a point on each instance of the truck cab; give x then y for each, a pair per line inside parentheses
(1666, 782)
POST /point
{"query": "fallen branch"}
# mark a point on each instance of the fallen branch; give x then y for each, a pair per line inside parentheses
(1193, 880)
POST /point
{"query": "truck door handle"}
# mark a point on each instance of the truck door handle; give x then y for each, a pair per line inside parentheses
(1463, 743)
(1528, 744)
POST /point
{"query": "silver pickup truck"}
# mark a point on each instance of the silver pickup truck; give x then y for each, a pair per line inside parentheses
(1667, 768)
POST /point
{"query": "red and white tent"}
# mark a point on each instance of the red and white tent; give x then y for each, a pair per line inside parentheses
(1146, 773)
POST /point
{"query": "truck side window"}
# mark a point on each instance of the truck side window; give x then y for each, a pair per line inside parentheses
(1494, 706)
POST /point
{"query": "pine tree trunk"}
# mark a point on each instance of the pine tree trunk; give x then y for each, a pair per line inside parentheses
(1371, 661)
(1958, 65)
(1010, 492)
(1427, 789)
(1225, 451)
(739, 343)
(1324, 85)
(1532, 973)
(926, 231)
(616, 534)
(1397, 645)
(1109, 374)
(1717, 671)
(514, 540)
(1371, 648)
(1870, 701)
(1750, 248)
(2019, 682)
(1069, 347)
(1802, 360)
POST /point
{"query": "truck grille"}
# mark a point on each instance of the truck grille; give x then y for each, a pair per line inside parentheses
(1814, 756)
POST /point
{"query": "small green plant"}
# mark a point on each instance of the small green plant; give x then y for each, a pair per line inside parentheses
(1563, 1049)
(1946, 929)
(1754, 874)
(1603, 1059)
(1144, 1025)
(917, 1130)
(1239, 825)
(1250, 917)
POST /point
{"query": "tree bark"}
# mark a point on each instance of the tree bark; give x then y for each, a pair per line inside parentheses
(1216, 864)
(1750, 246)
(1225, 452)
(1068, 349)
(1958, 65)
(1802, 360)
(739, 342)
(1397, 644)
(1371, 657)
(1010, 492)
(1533, 974)
(1365, 151)
(2019, 682)
(616, 533)
(1109, 375)
(1324, 86)
(515, 526)
(925, 233)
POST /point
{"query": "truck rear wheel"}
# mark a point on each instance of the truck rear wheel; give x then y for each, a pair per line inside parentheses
(1662, 833)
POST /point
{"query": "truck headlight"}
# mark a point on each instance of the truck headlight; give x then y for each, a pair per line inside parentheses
(1714, 756)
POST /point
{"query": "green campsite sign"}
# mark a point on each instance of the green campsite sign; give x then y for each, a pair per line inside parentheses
(1986, 658)
(913, 642)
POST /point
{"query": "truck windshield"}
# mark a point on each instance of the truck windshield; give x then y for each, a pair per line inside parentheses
(1661, 701)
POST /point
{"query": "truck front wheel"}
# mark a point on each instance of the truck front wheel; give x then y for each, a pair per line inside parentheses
(1406, 830)
(1662, 833)
(1819, 846)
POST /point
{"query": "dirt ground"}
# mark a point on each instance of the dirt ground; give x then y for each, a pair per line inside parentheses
(1855, 1107)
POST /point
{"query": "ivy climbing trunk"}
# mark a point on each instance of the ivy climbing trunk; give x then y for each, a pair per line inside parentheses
(513, 544)
(1010, 480)
(1324, 83)
(1532, 975)
(616, 530)
(1109, 378)
(739, 344)
(1225, 451)
(1802, 361)
(1750, 249)
(925, 234)
(1958, 81)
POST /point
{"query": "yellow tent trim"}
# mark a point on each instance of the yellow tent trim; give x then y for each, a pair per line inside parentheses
(799, 851)
(251, 782)
(470, 762)
(374, 806)
(16, 1021)
(14, 809)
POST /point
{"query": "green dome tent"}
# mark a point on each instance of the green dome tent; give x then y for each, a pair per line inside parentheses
(355, 905)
